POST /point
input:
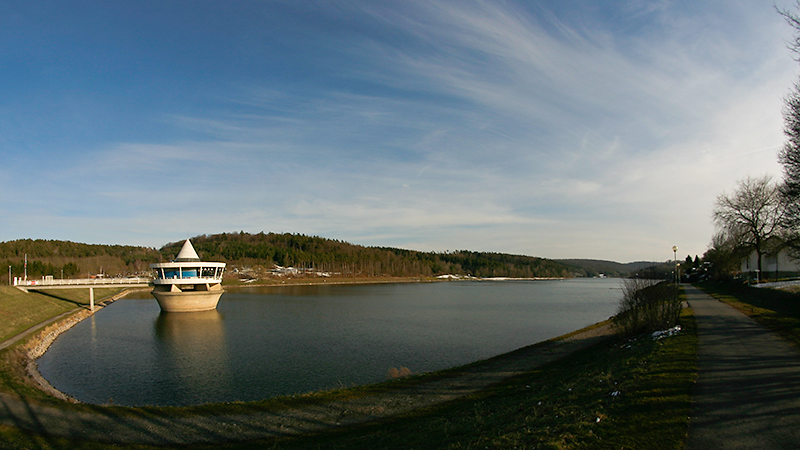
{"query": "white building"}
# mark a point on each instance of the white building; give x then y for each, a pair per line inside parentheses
(773, 266)
(187, 284)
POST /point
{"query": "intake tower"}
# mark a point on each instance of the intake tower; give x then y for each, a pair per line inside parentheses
(187, 284)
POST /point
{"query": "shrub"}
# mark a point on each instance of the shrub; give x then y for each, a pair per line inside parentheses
(646, 306)
(398, 373)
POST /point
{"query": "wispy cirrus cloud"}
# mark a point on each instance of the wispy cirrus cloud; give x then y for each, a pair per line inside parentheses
(599, 131)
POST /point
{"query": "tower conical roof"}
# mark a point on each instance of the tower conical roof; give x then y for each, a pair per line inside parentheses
(187, 253)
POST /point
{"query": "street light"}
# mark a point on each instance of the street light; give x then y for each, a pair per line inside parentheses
(677, 275)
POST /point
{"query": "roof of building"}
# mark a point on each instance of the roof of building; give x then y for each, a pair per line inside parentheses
(187, 253)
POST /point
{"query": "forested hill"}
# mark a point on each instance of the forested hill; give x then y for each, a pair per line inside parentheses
(595, 267)
(70, 259)
(328, 255)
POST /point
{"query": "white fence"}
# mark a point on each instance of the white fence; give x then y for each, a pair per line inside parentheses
(778, 284)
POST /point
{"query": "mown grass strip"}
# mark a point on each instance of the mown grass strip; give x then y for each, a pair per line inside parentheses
(20, 311)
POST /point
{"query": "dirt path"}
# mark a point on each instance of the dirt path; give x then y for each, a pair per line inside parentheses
(747, 394)
(133, 426)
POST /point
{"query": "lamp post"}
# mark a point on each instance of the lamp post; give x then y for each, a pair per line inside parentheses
(677, 275)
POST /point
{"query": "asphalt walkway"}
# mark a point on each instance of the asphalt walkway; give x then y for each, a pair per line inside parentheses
(747, 394)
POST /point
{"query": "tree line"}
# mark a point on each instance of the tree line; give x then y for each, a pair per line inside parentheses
(70, 259)
(330, 255)
(45, 248)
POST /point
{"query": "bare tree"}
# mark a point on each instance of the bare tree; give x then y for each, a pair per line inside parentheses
(752, 215)
(789, 155)
(723, 255)
(793, 19)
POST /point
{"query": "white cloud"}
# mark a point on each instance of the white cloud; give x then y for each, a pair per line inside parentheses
(482, 125)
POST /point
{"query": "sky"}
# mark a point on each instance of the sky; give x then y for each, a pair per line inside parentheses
(558, 129)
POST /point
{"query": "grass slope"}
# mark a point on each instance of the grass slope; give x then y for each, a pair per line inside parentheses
(619, 394)
(20, 311)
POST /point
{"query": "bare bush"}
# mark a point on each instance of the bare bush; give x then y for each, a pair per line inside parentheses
(398, 373)
(646, 306)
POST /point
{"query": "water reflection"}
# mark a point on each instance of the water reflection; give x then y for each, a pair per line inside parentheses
(196, 349)
(192, 329)
(94, 330)
(300, 290)
(260, 342)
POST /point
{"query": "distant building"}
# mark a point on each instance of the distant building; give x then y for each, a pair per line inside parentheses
(773, 266)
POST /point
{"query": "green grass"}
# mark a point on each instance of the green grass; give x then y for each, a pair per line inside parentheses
(775, 309)
(566, 404)
(20, 311)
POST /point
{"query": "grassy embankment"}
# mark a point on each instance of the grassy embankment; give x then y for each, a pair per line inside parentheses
(778, 310)
(618, 394)
(20, 311)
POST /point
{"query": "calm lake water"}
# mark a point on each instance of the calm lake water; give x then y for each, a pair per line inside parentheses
(265, 342)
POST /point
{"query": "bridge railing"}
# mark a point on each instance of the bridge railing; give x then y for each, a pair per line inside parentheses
(81, 281)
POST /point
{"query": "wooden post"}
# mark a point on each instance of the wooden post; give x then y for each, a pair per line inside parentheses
(91, 299)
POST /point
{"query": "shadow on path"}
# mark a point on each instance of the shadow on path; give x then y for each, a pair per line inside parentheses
(747, 394)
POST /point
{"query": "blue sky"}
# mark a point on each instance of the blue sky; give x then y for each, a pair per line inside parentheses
(558, 129)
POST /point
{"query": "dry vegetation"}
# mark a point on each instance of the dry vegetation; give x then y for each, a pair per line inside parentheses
(647, 306)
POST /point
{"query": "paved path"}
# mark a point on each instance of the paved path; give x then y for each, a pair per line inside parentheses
(22, 335)
(747, 394)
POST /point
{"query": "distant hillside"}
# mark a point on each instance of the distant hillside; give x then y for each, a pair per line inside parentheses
(262, 251)
(334, 256)
(595, 267)
(72, 259)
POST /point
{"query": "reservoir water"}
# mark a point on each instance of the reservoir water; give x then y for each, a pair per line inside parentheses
(266, 342)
